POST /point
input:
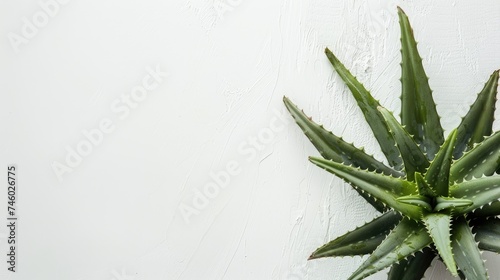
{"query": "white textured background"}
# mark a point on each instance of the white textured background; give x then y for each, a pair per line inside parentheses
(117, 214)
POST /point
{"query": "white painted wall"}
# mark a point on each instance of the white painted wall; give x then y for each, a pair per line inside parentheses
(117, 214)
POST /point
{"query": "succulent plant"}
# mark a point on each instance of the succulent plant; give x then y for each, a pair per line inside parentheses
(438, 197)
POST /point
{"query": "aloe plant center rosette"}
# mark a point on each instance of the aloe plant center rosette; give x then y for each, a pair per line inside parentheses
(438, 197)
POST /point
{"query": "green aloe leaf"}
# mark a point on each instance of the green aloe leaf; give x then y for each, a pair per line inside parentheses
(438, 173)
(362, 240)
(333, 147)
(414, 267)
(478, 122)
(438, 226)
(418, 200)
(368, 106)
(492, 209)
(487, 233)
(450, 203)
(423, 188)
(466, 252)
(384, 188)
(483, 159)
(481, 191)
(407, 238)
(418, 110)
(413, 158)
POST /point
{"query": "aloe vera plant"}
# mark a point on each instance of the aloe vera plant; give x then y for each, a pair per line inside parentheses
(438, 197)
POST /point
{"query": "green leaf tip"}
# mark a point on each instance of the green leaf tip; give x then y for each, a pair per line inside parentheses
(333, 147)
(362, 240)
(438, 174)
(418, 200)
(478, 122)
(368, 106)
(423, 188)
(418, 110)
